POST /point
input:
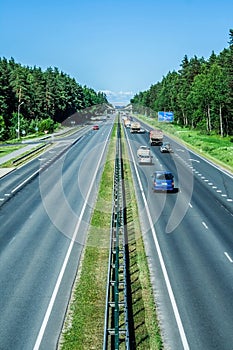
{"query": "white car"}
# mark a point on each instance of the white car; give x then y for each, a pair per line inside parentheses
(147, 159)
(144, 155)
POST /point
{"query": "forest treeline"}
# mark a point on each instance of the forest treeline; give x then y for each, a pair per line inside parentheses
(39, 99)
(200, 94)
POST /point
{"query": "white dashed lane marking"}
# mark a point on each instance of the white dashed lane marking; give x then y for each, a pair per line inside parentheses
(202, 176)
(204, 224)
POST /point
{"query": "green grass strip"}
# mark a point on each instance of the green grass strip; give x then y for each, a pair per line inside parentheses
(4, 150)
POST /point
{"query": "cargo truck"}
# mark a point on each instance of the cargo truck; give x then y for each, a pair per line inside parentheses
(127, 123)
(156, 137)
(135, 127)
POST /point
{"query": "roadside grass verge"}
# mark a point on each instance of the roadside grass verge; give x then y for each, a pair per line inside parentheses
(4, 150)
(13, 145)
(25, 157)
(84, 323)
(213, 147)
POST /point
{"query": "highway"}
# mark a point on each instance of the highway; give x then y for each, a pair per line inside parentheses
(188, 237)
(43, 230)
(45, 212)
(11, 183)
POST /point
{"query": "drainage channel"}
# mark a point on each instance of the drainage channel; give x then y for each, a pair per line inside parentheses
(117, 333)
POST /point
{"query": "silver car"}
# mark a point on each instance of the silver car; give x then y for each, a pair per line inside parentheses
(166, 147)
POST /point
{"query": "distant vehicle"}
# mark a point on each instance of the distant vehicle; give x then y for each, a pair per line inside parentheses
(95, 127)
(166, 148)
(127, 123)
(145, 159)
(143, 150)
(135, 127)
(156, 137)
(144, 155)
(163, 181)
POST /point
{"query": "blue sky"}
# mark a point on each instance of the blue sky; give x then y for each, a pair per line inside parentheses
(121, 47)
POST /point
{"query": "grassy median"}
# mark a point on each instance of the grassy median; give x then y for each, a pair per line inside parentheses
(84, 324)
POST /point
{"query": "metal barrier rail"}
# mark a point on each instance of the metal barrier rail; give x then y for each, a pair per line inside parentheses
(116, 329)
(27, 155)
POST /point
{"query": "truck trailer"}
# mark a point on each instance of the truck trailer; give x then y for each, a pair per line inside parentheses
(156, 137)
(135, 127)
(127, 123)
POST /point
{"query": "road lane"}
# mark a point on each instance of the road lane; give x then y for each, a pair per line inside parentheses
(34, 241)
(200, 274)
(15, 178)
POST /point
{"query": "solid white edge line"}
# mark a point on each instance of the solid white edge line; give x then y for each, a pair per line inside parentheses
(228, 257)
(62, 271)
(161, 260)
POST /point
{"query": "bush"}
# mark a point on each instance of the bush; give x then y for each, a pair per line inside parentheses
(46, 125)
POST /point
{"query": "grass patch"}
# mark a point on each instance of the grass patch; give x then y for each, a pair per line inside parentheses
(32, 153)
(88, 303)
(25, 157)
(4, 150)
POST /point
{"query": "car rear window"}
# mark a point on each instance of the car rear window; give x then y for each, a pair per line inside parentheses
(164, 176)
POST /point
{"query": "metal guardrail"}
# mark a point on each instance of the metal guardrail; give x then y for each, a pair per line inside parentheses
(116, 329)
(28, 154)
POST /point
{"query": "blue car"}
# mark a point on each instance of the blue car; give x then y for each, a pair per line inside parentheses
(163, 181)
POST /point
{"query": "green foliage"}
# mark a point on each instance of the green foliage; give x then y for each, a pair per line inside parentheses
(200, 94)
(46, 125)
(49, 95)
(2, 128)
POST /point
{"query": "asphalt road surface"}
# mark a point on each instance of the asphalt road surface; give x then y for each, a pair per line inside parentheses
(189, 242)
(187, 234)
(43, 230)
